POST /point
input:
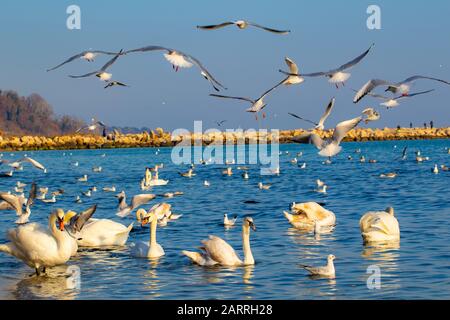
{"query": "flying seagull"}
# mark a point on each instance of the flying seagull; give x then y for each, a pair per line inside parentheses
(137, 201)
(220, 123)
(393, 102)
(86, 55)
(329, 147)
(94, 125)
(335, 76)
(115, 83)
(371, 115)
(15, 203)
(293, 76)
(401, 88)
(242, 24)
(320, 125)
(102, 74)
(257, 105)
(179, 59)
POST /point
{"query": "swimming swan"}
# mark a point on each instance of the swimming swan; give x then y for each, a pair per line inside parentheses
(38, 247)
(150, 249)
(217, 251)
(305, 215)
(379, 226)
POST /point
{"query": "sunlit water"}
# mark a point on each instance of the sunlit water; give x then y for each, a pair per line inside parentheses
(418, 268)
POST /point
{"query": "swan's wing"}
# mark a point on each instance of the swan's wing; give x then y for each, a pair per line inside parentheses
(309, 138)
(368, 87)
(293, 69)
(298, 117)
(13, 201)
(343, 128)
(230, 97)
(148, 48)
(268, 29)
(215, 26)
(33, 162)
(204, 72)
(414, 78)
(140, 199)
(414, 94)
(220, 251)
(327, 112)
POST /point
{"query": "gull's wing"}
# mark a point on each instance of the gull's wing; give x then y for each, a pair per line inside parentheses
(268, 91)
(230, 97)
(345, 66)
(32, 195)
(327, 111)
(404, 151)
(414, 78)
(103, 69)
(101, 123)
(215, 26)
(141, 199)
(204, 72)
(293, 69)
(78, 221)
(368, 87)
(13, 202)
(268, 29)
(82, 128)
(309, 138)
(149, 48)
(298, 117)
(33, 162)
(85, 75)
(343, 128)
(5, 206)
(413, 94)
(79, 55)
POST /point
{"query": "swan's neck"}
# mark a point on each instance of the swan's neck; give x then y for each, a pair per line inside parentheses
(60, 236)
(248, 256)
(153, 232)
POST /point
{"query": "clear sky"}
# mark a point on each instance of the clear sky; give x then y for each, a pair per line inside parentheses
(414, 39)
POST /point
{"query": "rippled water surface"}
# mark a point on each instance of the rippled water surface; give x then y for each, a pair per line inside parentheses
(418, 268)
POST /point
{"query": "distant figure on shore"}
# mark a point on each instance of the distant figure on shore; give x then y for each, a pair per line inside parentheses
(410, 125)
(425, 125)
(398, 127)
(431, 124)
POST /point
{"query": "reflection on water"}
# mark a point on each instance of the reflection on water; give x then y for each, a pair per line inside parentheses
(416, 268)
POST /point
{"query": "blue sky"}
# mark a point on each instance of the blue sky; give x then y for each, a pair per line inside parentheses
(325, 34)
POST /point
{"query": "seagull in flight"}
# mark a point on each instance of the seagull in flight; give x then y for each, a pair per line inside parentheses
(220, 123)
(257, 105)
(94, 125)
(102, 74)
(86, 55)
(320, 125)
(337, 75)
(179, 59)
(393, 102)
(329, 147)
(293, 75)
(371, 115)
(403, 88)
(242, 24)
(115, 83)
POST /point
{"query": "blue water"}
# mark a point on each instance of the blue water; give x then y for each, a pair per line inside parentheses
(419, 268)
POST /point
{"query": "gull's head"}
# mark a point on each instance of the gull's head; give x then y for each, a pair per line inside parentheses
(241, 24)
(104, 76)
(89, 56)
(248, 222)
(331, 257)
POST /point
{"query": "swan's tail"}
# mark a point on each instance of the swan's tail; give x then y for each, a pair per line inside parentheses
(122, 237)
(5, 248)
(196, 257)
(288, 216)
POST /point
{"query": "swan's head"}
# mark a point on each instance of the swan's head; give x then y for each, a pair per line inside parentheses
(59, 214)
(248, 222)
(331, 257)
(141, 214)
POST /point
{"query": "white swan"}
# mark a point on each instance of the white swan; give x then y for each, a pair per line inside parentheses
(218, 251)
(38, 247)
(379, 226)
(101, 232)
(149, 249)
(305, 215)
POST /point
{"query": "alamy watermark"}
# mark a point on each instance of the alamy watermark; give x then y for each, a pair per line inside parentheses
(73, 21)
(233, 146)
(374, 20)
(374, 280)
(73, 281)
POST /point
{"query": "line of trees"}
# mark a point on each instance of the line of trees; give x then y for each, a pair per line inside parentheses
(32, 115)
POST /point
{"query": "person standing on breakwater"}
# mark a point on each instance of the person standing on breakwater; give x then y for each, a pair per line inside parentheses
(431, 124)
(410, 125)
(425, 125)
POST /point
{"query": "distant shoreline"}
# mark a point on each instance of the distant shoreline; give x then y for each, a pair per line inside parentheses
(164, 139)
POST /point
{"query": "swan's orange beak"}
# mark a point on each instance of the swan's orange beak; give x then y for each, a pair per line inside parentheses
(61, 225)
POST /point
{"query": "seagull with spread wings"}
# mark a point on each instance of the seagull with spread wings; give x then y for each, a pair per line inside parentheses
(293, 75)
(102, 74)
(13, 202)
(394, 102)
(179, 59)
(85, 55)
(257, 105)
(403, 88)
(93, 126)
(242, 24)
(337, 75)
(329, 147)
(320, 125)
